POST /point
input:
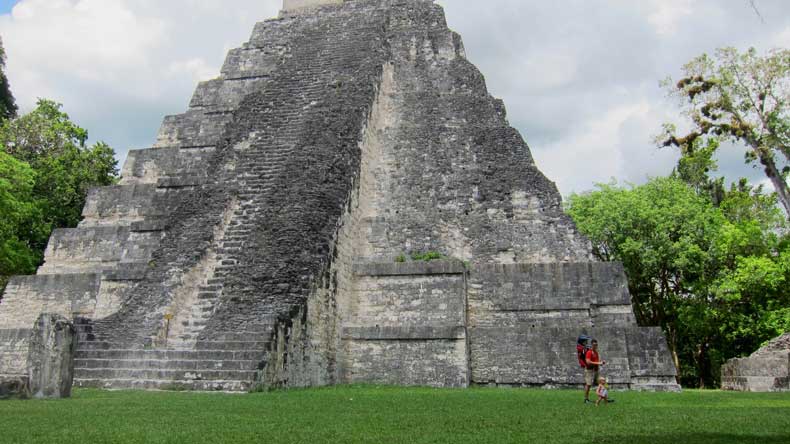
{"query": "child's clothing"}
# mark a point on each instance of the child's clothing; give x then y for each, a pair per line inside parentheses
(602, 391)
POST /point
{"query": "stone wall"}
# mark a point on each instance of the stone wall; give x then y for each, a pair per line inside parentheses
(28, 296)
(524, 320)
(766, 370)
(259, 233)
(14, 347)
(407, 325)
(451, 174)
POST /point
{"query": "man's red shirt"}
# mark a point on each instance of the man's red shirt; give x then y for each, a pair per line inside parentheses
(592, 356)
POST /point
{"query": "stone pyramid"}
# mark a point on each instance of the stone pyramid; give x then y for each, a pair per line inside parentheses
(266, 237)
(766, 370)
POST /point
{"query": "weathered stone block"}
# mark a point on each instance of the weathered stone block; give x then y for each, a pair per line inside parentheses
(433, 363)
(295, 5)
(15, 387)
(149, 165)
(119, 205)
(766, 370)
(13, 351)
(51, 357)
(28, 296)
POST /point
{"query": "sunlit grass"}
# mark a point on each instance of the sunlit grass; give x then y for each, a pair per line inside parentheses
(397, 415)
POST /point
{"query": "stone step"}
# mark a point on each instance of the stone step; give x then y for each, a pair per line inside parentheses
(211, 287)
(147, 165)
(172, 355)
(244, 336)
(185, 375)
(195, 322)
(232, 345)
(163, 384)
(119, 205)
(127, 271)
(91, 249)
(165, 364)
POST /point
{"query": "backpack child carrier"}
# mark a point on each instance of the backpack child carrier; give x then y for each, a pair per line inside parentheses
(582, 346)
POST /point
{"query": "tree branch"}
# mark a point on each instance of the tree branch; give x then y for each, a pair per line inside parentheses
(757, 11)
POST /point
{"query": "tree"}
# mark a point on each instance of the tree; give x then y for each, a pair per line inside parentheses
(65, 166)
(8, 107)
(20, 214)
(46, 172)
(742, 98)
(713, 277)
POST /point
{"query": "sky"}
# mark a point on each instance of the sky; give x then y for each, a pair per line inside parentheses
(580, 78)
(6, 5)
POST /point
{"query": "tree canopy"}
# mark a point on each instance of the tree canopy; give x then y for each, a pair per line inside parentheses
(712, 276)
(20, 214)
(8, 106)
(46, 170)
(743, 98)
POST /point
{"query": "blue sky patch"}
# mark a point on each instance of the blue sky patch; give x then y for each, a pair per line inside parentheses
(6, 5)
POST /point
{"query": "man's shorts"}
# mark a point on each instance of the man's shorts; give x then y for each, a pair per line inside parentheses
(590, 376)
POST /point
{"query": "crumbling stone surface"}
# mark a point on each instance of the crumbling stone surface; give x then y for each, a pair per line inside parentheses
(50, 360)
(301, 5)
(14, 387)
(780, 345)
(255, 243)
(766, 370)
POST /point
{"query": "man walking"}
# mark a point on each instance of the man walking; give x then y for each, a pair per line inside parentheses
(593, 360)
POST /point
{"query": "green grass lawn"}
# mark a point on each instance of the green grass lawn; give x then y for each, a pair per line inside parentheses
(397, 415)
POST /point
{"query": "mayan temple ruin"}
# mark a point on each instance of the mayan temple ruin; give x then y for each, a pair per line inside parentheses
(265, 239)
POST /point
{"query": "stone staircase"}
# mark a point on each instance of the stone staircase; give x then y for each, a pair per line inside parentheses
(223, 361)
(229, 363)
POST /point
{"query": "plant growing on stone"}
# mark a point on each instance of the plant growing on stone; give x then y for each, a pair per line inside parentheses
(427, 256)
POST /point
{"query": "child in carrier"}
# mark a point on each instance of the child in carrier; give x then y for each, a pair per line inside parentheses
(602, 391)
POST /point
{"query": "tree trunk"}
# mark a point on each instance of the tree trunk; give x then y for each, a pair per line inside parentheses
(673, 350)
(782, 190)
(702, 363)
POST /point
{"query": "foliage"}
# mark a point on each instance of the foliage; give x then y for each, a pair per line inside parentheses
(398, 415)
(419, 256)
(8, 106)
(20, 214)
(742, 98)
(50, 169)
(715, 278)
(427, 256)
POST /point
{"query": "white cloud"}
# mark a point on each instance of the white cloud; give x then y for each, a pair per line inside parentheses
(579, 77)
(195, 69)
(119, 66)
(549, 68)
(97, 41)
(667, 14)
(782, 38)
(592, 150)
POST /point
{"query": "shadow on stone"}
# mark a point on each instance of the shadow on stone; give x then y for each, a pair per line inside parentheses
(14, 388)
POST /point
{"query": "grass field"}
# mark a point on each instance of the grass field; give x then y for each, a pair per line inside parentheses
(396, 415)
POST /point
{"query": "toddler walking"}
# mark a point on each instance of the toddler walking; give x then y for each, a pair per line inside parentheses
(602, 391)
